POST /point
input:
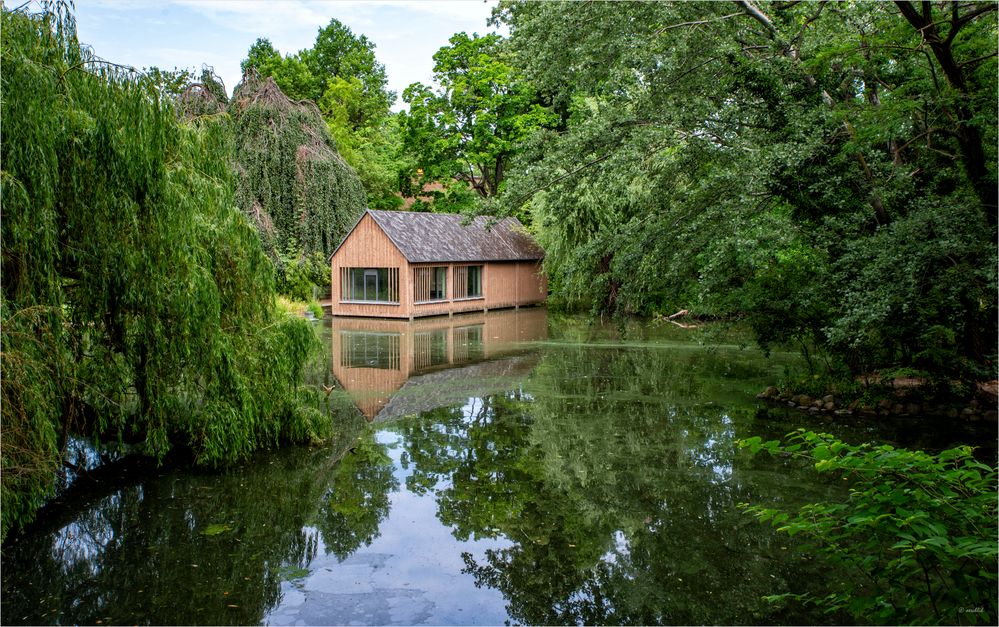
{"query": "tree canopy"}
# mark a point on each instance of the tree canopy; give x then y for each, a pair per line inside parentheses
(338, 54)
(341, 74)
(471, 127)
(826, 170)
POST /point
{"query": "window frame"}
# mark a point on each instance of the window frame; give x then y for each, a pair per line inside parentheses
(461, 277)
(426, 280)
(348, 285)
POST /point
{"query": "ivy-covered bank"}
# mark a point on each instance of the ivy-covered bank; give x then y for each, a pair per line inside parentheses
(292, 183)
(137, 301)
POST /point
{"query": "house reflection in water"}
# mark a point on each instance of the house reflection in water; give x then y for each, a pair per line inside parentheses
(393, 368)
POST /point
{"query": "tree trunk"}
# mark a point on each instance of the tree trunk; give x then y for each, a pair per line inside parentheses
(969, 138)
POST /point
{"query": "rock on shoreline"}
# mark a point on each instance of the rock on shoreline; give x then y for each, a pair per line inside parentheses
(975, 410)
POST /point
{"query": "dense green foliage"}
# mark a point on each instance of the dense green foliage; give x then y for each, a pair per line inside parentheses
(338, 55)
(827, 170)
(341, 74)
(291, 181)
(137, 303)
(915, 541)
(469, 129)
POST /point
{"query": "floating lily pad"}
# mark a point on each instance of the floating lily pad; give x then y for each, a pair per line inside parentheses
(215, 529)
(292, 573)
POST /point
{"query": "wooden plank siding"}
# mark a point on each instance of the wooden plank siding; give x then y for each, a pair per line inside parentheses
(369, 247)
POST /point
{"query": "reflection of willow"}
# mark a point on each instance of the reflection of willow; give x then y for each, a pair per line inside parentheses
(189, 548)
(617, 483)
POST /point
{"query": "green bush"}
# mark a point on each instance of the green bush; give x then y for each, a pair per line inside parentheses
(299, 273)
(316, 309)
(915, 542)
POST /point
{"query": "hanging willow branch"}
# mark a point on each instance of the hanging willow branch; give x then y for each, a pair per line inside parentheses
(292, 181)
(137, 303)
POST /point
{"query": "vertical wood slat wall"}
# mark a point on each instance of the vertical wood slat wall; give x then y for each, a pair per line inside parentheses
(393, 284)
(420, 291)
(461, 281)
(367, 246)
(422, 284)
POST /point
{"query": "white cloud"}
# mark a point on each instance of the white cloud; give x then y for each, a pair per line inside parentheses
(187, 33)
(255, 17)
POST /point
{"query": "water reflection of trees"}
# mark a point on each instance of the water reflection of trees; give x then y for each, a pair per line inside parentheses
(616, 476)
(357, 499)
(198, 548)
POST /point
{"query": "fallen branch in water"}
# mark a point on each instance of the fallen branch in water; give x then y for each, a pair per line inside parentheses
(682, 325)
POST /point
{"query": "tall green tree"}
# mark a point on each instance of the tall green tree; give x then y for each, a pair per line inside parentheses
(340, 54)
(470, 128)
(373, 149)
(293, 183)
(826, 170)
(290, 72)
(262, 57)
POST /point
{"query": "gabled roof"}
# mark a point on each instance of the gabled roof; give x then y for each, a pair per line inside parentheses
(430, 237)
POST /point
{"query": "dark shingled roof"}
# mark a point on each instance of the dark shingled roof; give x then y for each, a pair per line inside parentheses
(429, 237)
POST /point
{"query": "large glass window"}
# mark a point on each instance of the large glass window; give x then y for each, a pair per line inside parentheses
(377, 285)
(360, 349)
(429, 284)
(438, 284)
(474, 281)
(468, 282)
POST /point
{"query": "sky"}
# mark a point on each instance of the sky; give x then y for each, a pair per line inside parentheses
(181, 34)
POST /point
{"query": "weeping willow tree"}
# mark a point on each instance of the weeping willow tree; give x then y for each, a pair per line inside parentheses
(137, 303)
(292, 182)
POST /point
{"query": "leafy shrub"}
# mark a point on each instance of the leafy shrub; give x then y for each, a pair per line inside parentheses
(293, 278)
(316, 309)
(299, 273)
(914, 543)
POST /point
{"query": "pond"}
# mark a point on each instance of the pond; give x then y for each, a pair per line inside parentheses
(510, 467)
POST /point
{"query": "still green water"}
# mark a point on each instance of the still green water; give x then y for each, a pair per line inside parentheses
(513, 467)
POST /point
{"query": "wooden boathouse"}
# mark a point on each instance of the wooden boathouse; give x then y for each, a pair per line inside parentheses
(399, 264)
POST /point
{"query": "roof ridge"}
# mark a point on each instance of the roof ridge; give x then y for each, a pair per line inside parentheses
(424, 237)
